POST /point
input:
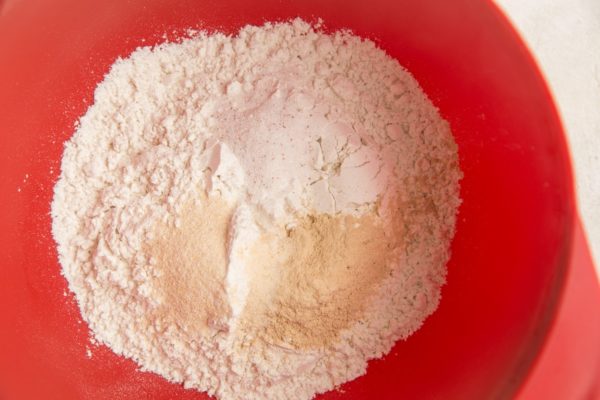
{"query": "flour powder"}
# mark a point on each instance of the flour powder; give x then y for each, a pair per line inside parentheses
(257, 216)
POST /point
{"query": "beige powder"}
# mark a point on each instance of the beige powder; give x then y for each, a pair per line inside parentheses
(307, 283)
(314, 280)
(191, 260)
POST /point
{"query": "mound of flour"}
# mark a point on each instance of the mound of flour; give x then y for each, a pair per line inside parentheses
(257, 216)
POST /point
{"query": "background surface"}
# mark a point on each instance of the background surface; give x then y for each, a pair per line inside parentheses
(564, 37)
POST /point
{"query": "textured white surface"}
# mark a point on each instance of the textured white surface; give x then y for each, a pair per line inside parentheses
(564, 36)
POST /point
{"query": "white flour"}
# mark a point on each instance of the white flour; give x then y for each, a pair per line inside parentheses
(195, 155)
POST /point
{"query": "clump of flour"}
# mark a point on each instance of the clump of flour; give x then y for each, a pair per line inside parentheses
(257, 216)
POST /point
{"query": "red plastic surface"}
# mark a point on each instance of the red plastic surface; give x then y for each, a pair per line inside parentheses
(569, 366)
(514, 232)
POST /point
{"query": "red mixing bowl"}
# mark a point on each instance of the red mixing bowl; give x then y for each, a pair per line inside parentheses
(513, 245)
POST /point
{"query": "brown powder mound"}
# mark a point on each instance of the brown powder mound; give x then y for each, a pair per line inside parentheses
(192, 263)
(312, 281)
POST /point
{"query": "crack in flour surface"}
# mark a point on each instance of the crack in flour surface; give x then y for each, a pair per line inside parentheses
(257, 216)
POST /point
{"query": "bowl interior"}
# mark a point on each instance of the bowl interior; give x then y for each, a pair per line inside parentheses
(513, 233)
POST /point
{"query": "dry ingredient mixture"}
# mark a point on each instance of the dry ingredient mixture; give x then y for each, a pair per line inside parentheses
(257, 216)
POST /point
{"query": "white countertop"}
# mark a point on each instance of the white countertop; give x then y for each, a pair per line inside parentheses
(564, 36)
